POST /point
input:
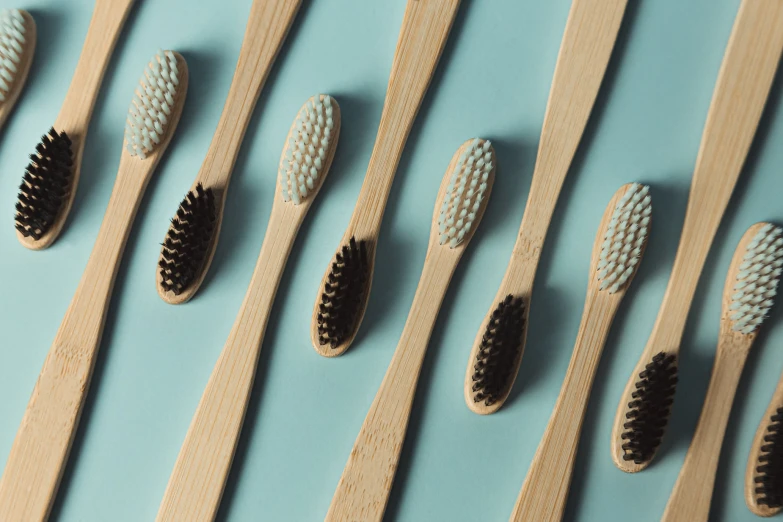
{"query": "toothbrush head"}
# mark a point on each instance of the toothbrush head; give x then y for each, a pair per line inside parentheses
(17, 43)
(766, 495)
(624, 239)
(156, 105)
(753, 280)
(468, 182)
(309, 150)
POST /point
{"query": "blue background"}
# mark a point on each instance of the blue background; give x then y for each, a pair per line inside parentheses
(493, 82)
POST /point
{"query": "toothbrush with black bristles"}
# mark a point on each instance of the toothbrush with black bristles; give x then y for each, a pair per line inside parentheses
(40, 450)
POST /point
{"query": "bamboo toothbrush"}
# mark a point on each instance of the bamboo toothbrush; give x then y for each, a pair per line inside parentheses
(618, 248)
(751, 286)
(741, 91)
(49, 184)
(345, 287)
(763, 477)
(192, 238)
(196, 483)
(17, 46)
(39, 452)
(587, 45)
(364, 487)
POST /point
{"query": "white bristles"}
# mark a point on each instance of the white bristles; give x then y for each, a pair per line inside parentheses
(151, 108)
(624, 238)
(307, 150)
(12, 41)
(465, 192)
(757, 279)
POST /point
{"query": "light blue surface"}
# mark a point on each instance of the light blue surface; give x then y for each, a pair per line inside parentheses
(493, 82)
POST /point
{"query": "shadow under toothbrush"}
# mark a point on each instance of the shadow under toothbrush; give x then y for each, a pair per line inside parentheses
(351, 134)
(394, 252)
(535, 362)
(202, 64)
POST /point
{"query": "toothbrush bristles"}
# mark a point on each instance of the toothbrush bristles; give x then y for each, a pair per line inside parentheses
(12, 44)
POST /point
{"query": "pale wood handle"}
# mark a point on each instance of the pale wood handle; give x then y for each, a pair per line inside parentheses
(107, 20)
(425, 30)
(40, 449)
(545, 490)
(366, 482)
(267, 28)
(197, 481)
(741, 91)
(690, 500)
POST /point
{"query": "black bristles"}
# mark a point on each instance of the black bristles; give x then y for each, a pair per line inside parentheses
(769, 478)
(500, 347)
(46, 185)
(344, 294)
(188, 241)
(649, 410)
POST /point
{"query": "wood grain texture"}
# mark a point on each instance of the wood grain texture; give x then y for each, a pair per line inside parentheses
(366, 482)
(425, 29)
(741, 91)
(751, 499)
(267, 28)
(588, 40)
(692, 494)
(40, 450)
(545, 490)
(196, 484)
(23, 68)
(107, 20)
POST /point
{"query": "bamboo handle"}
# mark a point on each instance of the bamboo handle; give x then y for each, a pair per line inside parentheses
(199, 476)
(107, 20)
(366, 482)
(425, 29)
(40, 450)
(741, 91)
(545, 490)
(690, 500)
(267, 28)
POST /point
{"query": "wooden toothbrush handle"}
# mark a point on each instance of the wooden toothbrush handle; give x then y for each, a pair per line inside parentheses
(425, 30)
(267, 28)
(366, 482)
(741, 91)
(545, 490)
(107, 20)
(40, 450)
(692, 494)
(199, 476)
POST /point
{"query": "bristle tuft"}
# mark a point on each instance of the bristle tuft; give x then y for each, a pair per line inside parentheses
(12, 42)
(188, 240)
(46, 185)
(465, 192)
(501, 345)
(307, 151)
(649, 410)
(344, 294)
(769, 472)
(757, 280)
(153, 105)
(625, 238)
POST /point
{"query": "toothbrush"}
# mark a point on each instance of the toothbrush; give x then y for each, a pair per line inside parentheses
(751, 286)
(40, 451)
(763, 480)
(196, 483)
(587, 44)
(192, 238)
(345, 287)
(743, 84)
(49, 185)
(618, 248)
(364, 487)
(17, 47)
